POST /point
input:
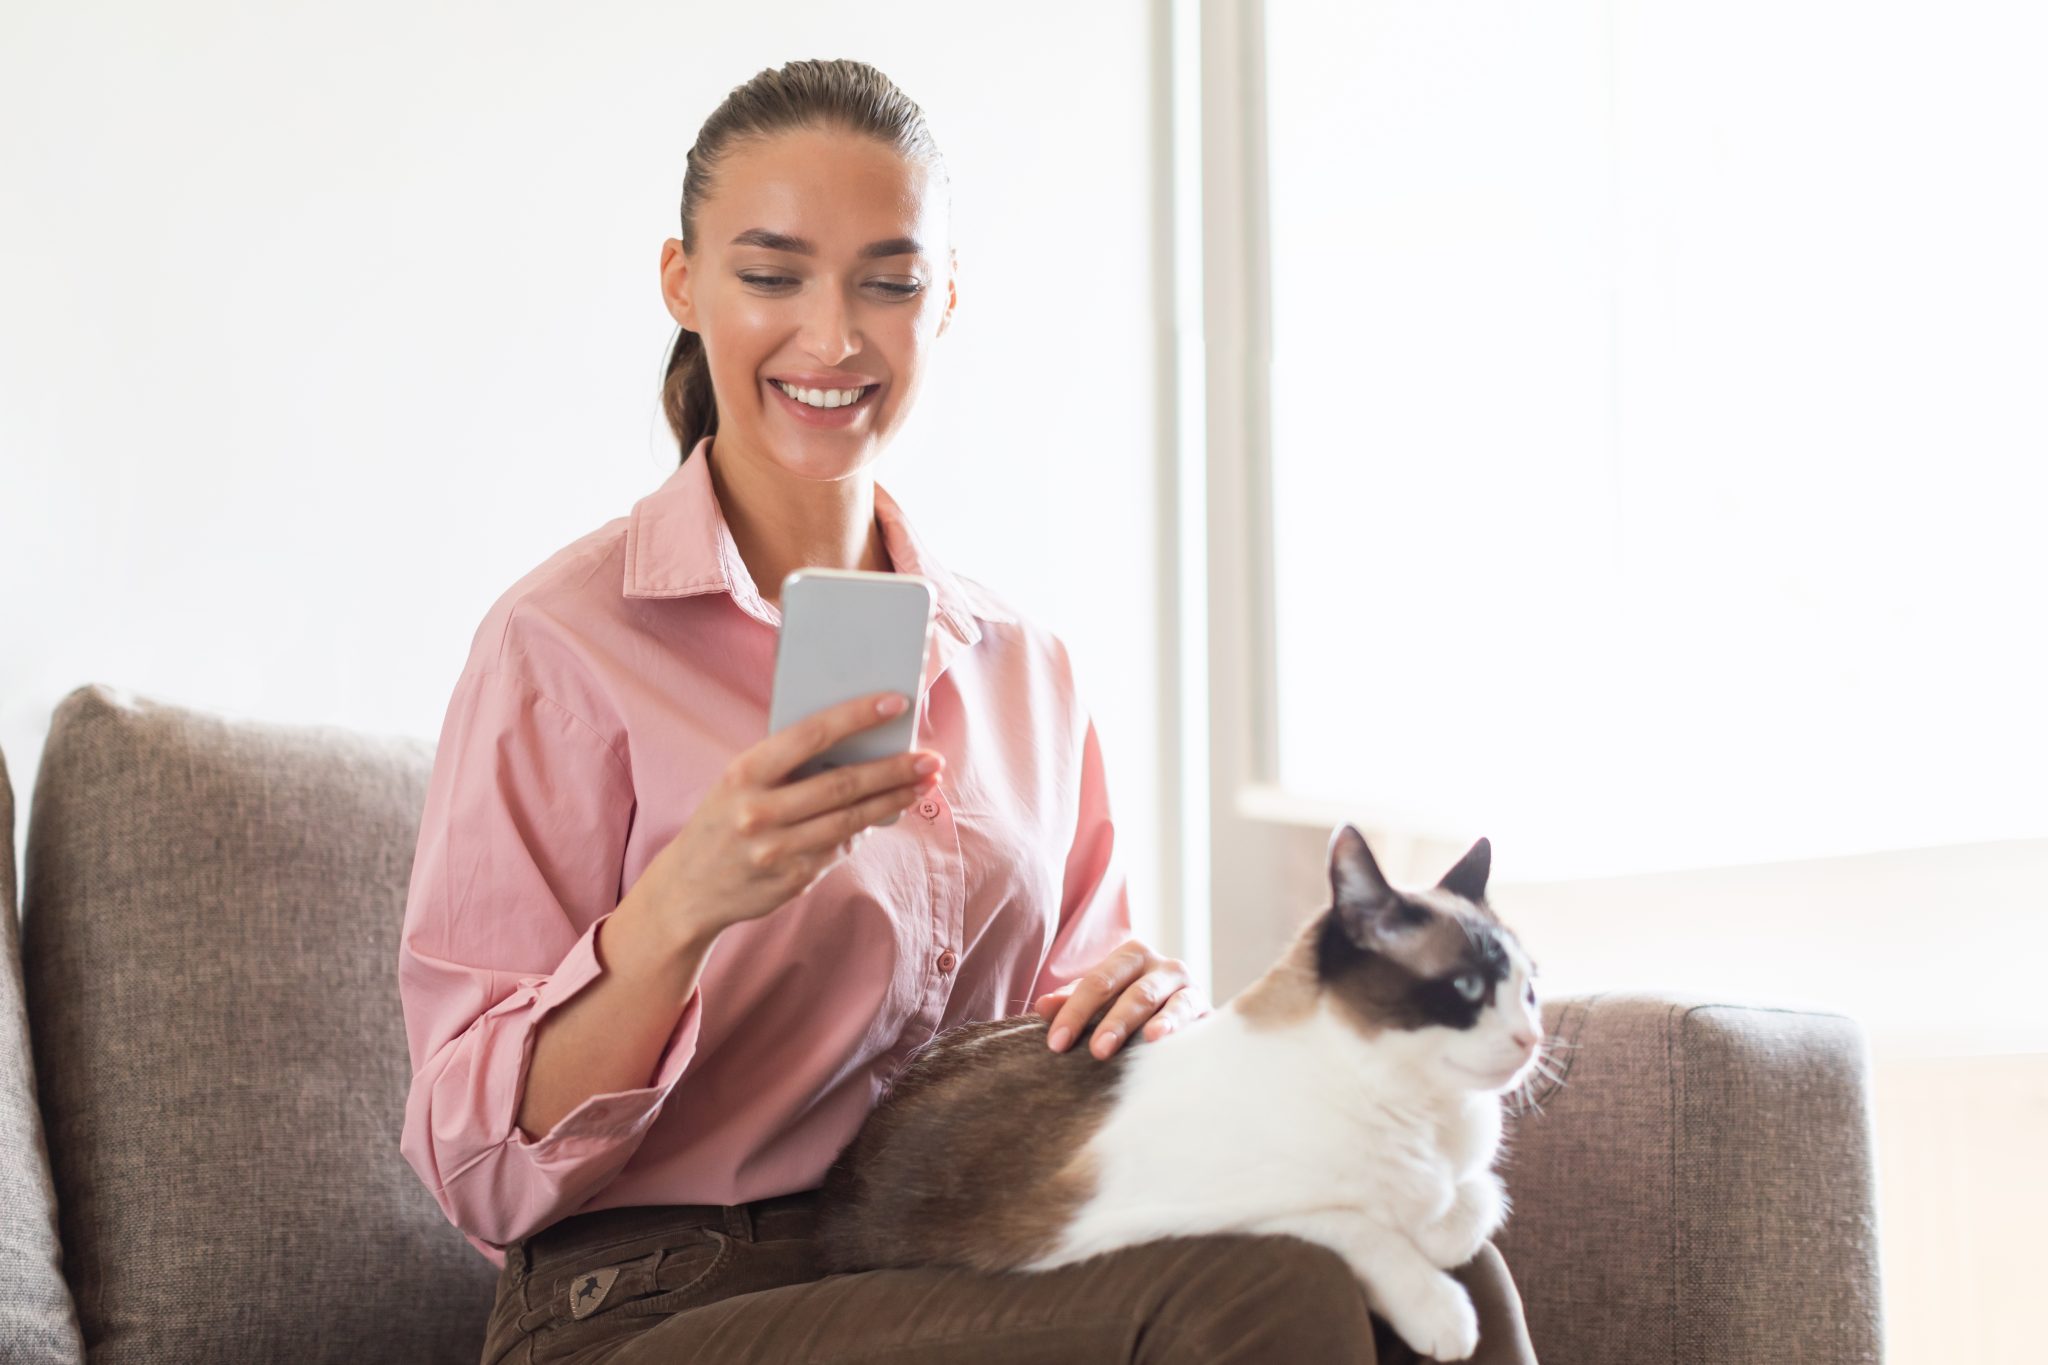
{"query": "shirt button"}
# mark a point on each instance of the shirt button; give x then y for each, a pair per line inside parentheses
(928, 808)
(947, 961)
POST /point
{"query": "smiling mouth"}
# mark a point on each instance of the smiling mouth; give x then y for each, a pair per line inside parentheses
(825, 400)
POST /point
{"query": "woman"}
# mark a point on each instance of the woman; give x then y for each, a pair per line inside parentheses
(650, 989)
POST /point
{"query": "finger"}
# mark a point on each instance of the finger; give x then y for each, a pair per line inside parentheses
(772, 759)
(1184, 1006)
(839, 787)
(1139, 1002)
(1089, 992)
(1049, 1004)
(823, 831)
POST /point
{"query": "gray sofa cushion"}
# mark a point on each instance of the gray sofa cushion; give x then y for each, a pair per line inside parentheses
(210, 939)
(1701, 1188)
(38, 1325)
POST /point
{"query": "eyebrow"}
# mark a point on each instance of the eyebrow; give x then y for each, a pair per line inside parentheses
(782, 241)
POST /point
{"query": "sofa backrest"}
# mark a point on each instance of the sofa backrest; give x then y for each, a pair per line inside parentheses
(210, 941)
(38, 1324)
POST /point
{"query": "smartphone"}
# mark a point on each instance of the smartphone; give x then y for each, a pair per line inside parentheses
(845, 633)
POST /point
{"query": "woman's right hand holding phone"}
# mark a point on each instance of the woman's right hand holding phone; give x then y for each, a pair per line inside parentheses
(756, 841)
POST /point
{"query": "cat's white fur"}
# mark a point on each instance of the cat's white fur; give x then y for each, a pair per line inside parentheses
(1378, 1147)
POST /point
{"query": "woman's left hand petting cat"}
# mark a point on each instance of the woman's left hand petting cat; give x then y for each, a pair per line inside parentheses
(1158, 995)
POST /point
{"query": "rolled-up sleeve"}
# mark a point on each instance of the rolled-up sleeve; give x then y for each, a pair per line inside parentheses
(1095, 904)
(519, 859)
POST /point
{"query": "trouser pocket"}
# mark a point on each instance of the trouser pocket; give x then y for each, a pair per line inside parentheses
(607, 1292)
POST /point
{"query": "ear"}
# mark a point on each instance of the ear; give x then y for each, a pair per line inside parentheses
(952, 291)
(677, 286)
(1468, 878)
(1359, 892)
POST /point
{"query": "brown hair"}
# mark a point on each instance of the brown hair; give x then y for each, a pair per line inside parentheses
(841, 94)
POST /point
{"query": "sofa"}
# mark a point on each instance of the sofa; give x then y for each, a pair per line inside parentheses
(203, 1070)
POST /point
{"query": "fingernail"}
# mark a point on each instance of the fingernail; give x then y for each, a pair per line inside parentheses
(927, 764)
(892, 703)
(1105, 1041)
(1059, 1037)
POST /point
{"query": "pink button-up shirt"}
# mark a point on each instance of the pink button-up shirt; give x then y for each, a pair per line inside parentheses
(604, 692)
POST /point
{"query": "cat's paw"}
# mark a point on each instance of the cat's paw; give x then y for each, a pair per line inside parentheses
(1444, 1325)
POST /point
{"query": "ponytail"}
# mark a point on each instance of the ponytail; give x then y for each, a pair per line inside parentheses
(686, 397)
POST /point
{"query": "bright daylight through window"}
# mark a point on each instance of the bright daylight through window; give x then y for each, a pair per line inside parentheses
(1658, 423)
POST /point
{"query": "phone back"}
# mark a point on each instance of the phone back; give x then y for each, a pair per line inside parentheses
(846, 632)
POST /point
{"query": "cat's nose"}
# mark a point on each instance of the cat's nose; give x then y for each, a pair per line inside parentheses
(1524, 1040)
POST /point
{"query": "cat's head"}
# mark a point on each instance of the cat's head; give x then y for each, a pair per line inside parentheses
(1433, 974)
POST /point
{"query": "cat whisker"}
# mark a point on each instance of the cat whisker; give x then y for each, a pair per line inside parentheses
(1523, 1101)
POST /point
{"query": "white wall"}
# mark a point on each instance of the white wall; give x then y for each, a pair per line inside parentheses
(318, 327)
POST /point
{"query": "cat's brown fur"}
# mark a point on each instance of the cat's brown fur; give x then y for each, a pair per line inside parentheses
(1014, 1171)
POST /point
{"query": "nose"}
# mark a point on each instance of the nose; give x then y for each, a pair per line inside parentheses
(829, 336)
(1524, 1040)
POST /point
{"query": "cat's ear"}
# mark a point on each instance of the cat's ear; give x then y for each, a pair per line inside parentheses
(1468, 878)
(1359, 891)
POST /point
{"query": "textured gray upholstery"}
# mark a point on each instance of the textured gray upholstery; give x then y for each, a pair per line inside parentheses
(38, 1325)
(211, 935)
(1700, 1189)
(210, 942)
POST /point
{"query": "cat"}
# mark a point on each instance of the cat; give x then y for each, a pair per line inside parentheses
(1350, 1096)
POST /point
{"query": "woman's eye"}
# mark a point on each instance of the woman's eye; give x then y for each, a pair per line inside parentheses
(1469, 985)
(779, 281)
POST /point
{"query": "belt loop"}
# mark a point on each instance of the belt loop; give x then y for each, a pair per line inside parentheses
(739, 1221)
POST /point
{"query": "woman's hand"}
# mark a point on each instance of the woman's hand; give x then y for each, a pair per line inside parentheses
(756, 841)
(1157, 994)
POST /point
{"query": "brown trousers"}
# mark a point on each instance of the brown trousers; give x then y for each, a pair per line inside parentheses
(740, 1284)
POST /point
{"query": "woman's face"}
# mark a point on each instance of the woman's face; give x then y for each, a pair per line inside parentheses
(821, 264)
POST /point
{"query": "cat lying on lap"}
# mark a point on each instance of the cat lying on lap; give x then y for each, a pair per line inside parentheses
(1351, 1096)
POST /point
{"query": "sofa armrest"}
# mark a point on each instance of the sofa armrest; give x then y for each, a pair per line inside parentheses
(1700, 1188)
(38, 1317)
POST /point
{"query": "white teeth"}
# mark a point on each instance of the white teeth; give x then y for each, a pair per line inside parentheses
(821, 398)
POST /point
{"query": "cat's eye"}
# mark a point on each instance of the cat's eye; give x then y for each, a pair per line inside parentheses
(1470, 985)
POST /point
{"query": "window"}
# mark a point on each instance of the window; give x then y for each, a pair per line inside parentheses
(1659, 412)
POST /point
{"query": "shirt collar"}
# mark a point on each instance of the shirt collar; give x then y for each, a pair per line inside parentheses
(678, 544)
